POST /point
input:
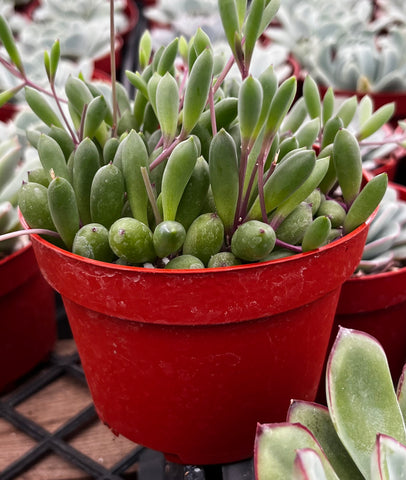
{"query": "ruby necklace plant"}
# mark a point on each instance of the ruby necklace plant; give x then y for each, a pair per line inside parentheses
(197, 170)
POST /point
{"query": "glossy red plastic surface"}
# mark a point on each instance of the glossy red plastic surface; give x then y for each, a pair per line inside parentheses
(187, 362)
(27, 315)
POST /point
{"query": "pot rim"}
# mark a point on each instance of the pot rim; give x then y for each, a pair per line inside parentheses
(195, 271)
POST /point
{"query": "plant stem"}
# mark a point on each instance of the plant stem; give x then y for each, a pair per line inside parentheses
(58, 103)
(288, 246)
(28, 231)
(113, 69)
(151, 196)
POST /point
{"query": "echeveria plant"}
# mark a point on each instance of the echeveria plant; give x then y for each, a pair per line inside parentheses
(361, 433)
(198, 169)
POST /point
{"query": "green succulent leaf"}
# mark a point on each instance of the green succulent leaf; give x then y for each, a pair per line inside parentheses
(388, 460)
(360, 396)
(167, 107)
(145, 49)
(275, 450)
(249, 106)
(312, 97)
(230, 20)
(317, 419)
(41, 107)
(7, 39)
(376, 121)
(252, 28)
(197, 90)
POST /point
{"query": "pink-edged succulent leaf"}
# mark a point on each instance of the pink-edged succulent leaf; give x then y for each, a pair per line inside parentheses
(275, 450)
(388, 460)
(401, 392)
(308, 466)
(317, 419)
(360, 395)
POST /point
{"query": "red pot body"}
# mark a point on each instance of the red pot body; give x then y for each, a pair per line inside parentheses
(27, 315)
(188, 361)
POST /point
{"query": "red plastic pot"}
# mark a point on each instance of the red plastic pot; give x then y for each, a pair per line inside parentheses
(376, 304)
(188, 361)
(27, 316)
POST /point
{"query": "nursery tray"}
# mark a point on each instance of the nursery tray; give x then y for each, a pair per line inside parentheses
(49, 430)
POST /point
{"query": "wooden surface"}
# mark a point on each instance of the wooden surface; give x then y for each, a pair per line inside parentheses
(51, 407)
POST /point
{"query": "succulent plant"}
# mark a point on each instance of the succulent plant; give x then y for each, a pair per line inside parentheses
(197, 164)
(361, 433)
(15, 162)
(385, 246)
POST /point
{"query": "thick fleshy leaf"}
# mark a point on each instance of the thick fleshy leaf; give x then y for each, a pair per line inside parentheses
(308, 466)
(317, 419)
(376, 121)
(360, 395)
(388, 461)
(167, 107)
(401, 392)
(275, 450)
(249, 106)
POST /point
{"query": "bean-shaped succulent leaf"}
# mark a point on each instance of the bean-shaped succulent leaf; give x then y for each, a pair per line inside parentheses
(194, 195)
(347, 110)
(64, 209)
(168, 56)
(253, 241)
(95, 114)
(252, 28)
(107, 195)
(316, 234)
(138, 82)
(328, 105)
(34, 206)
(287, 177)
(295, 118)
(317, 419)
(201, 41)
(167, 107)
(348, 164)
(230, 20)
(131, 240)
(223, 167)
(40, 106)
(197, 90)
(311, 96)
(269, 83)
(78, 94)
(366, 202)
(54, 57)
(7, 95)
(152, 88)
(280, 105)
(86, 162)
(177, 173)
(144, 49)
(92, 241)
(301, 194)
(270, 11)
(376, 121)
(249, 106)
(135, 156)
(63, 138)
(204, 237)
(307, 134)
(331, 127)
(275, 450)
(365, 109)
(360, 395)
(52, 157)
(168, 238)
(7, 39)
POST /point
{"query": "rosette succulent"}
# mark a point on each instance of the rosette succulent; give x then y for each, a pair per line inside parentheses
(197, 169)
(361, 433)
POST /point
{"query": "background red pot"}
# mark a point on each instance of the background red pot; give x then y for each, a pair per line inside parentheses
(187, 362)
(27, 315)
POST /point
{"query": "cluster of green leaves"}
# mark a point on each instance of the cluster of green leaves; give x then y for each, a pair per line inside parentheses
(193, 148)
